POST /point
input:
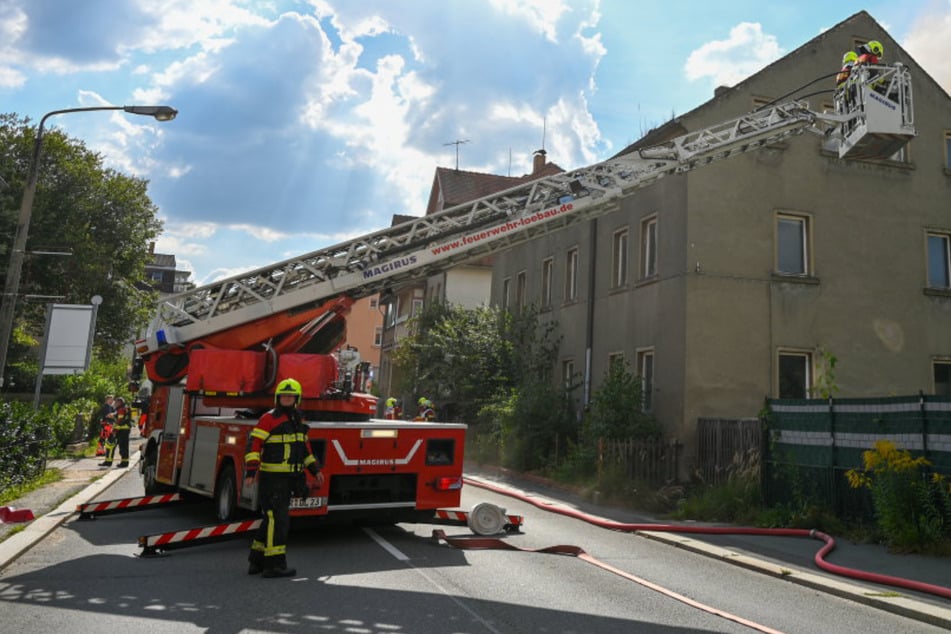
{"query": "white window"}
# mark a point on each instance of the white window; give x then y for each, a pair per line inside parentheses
(939, 260)
(649, 247)
(571, 275)
(506, 289)
(619, 259)
(795, 374)
(548, 266)
(792, 245)
(645, 370)
(947, 149)
(378, 337)
(417, 307)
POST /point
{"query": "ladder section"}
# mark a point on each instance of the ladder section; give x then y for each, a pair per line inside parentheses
(412, 250)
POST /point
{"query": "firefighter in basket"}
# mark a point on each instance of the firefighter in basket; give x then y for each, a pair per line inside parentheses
(392, 410)
(278, 454)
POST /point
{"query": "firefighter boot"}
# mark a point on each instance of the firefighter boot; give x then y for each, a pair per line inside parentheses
(255, 564)
(276, 566)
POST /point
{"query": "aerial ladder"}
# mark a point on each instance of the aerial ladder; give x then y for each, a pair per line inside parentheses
(293, 313)
(873, 120)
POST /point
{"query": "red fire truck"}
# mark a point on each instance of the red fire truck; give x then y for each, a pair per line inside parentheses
(214, 354)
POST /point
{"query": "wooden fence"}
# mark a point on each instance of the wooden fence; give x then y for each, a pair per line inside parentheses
(726, 446)
(652, 461)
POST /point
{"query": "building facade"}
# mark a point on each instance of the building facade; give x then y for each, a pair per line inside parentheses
(769, 274)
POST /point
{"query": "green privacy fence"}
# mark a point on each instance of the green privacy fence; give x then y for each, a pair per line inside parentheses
(811, 443)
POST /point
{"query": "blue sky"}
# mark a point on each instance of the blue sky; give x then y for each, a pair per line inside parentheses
(304, 123)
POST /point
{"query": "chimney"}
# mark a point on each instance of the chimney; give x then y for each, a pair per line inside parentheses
(719, 90)
(538, 161)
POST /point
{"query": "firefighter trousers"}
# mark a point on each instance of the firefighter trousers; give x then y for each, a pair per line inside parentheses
(269, 548)
(119, 438)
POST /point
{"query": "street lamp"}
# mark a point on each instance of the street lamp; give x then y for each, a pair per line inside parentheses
(12, 285)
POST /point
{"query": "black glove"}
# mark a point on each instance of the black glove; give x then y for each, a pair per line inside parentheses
(313, 468)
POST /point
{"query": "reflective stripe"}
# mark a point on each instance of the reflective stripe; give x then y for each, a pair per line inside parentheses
(252, 456)
(286, 438)
(309, 460)
(259, 433)
(272, 467)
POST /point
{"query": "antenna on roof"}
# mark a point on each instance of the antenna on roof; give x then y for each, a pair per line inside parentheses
(457, 143)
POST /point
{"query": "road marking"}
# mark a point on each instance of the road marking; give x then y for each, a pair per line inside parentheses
(398, 554)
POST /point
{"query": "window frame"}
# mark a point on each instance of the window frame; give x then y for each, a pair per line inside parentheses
(805, 243)
(649, 247)
(645, 357)
(571, 275)
(947, 152)
(521, 287)
(946, 238)
(506, 289)
(809, 367)
(943, 361)
(620, 254)
(567, 372)
(548, 274)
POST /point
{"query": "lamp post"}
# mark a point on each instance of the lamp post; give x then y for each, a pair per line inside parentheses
(12, 285)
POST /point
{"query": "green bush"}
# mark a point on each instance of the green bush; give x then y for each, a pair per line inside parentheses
(24, 442)
(913, 509)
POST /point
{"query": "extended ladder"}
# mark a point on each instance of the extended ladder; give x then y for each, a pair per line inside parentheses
(410, 250)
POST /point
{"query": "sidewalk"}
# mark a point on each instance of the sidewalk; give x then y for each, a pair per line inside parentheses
(83, 480)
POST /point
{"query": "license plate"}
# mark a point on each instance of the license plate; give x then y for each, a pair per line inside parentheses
(309, 503)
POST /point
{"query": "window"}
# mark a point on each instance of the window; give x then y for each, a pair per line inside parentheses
(506, 287)
(939, 261)
(619, 259)
(548, 266)
(520, 284)
(645, 370)
(941, 371)
(616, 359)
(568, 372)
(374, 301)
(378, 337)
(649, 247)
(571, 275)
(795, 374)
(947, 149)
(417, 307)
(792, 245)
(392, 310)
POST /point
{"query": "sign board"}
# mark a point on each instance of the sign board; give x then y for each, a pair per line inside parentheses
(68, 345)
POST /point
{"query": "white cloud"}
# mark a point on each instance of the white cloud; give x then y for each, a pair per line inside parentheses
(729, 61)
(541, 15)
(929, 42)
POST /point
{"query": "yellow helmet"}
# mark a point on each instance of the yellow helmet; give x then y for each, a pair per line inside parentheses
(391, 402)
(288, 386)
(876, 48)
(849, 58)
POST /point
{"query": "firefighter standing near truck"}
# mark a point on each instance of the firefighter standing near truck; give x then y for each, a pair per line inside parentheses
(279, 450)
(119, 436)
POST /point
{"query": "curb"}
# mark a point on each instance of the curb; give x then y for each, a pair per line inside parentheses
(883, 600)
(17, 544)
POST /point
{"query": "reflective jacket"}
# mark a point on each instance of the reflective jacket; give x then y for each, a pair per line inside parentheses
(278, 444)
(123, 418)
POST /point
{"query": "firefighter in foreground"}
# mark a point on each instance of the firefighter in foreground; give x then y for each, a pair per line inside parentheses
(280, 451)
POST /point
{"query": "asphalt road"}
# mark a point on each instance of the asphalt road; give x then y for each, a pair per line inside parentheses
(86, 576)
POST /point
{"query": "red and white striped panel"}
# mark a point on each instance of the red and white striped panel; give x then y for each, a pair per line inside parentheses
(107, 506)
(196, 534)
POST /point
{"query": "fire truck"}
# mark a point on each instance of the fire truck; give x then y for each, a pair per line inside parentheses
(213, 354)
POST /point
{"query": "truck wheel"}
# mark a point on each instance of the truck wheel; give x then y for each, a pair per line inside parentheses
(152, 486)
(226, 496)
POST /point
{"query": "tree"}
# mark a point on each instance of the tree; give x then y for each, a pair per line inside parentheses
(104, 218)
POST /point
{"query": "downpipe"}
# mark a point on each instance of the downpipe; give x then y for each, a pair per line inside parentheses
(828, 547)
